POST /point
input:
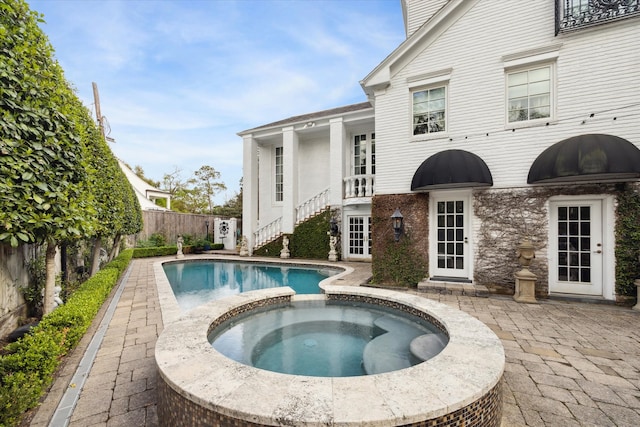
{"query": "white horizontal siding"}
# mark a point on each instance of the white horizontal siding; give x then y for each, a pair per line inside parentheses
(420, 11)
(597, 70)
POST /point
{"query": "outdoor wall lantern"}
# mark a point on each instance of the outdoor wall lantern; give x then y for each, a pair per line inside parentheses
(206, 224)
(396, 222)
(333, 227)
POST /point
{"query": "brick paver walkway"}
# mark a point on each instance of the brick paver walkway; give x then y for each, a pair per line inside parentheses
(568, 364)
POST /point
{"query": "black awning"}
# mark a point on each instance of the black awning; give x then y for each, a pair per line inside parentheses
(451, 169)
(591, 157)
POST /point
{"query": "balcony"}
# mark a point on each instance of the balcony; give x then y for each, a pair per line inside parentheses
(359, 186)
(577, 14)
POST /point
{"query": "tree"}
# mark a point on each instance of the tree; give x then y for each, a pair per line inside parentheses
(59, 182)
(41, 154)
(208, 184)
(232, 208)
(194, 195)
(115, 201)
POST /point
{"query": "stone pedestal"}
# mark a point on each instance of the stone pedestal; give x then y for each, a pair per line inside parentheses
(637, 306)
(525, 286)
(525, 279)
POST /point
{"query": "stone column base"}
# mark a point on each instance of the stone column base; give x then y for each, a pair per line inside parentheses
(637, 306)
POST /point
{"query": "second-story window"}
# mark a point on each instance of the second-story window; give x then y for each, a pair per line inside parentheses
(373, 153)
(364, 154)
(529, 94)
(429, 110)
(360, 155)
(279, 175)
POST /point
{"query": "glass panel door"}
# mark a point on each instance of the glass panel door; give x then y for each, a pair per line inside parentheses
(359, 236)
(576, 235)
(451, 241)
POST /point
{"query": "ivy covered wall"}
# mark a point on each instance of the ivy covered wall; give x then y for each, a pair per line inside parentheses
(402, 263)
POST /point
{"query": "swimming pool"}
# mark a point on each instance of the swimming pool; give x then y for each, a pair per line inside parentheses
(196, 282)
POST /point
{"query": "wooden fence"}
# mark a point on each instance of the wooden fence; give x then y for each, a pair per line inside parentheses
(171, 224)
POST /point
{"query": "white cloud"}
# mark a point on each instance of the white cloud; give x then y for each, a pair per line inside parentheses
(179, 79)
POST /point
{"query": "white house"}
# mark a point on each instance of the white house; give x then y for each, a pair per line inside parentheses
(297, 167)
(146, 193)
(495, 122)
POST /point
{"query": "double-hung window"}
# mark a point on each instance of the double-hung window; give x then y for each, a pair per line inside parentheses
(279, 175)
(429, 110)
(529, 94)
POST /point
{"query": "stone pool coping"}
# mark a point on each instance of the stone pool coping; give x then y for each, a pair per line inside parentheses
(467, 371)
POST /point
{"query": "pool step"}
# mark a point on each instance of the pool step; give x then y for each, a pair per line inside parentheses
(388, 351)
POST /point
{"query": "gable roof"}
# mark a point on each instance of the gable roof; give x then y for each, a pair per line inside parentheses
(142, 188)
(441, 21)
(313, 116)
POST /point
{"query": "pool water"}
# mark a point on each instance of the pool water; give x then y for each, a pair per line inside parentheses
(328, 339)
(196, 282)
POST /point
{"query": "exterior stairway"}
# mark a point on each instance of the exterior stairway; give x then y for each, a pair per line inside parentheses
(305, 210)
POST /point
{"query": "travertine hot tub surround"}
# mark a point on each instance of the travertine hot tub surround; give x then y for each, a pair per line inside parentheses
(198, 386)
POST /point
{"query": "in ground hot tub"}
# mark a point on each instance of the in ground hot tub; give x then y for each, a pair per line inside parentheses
(316, 337)
(198, 385)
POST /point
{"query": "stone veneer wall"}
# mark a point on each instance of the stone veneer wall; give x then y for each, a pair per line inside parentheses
(505, 217)
(174, 409)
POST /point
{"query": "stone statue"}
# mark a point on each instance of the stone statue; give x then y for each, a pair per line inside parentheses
(333, 254)
(284, 253)
(180, 242)
(57, 301)
(244, 247)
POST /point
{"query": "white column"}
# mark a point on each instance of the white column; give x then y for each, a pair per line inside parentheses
(249, 189)
(290, 179)
(337, 142)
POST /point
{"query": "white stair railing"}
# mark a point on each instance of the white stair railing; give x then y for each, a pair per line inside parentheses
(312, 206)
(304, 211)
(267, 233)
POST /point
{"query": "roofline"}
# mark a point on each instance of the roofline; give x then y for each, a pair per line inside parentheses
(410, 48)
(324, 114)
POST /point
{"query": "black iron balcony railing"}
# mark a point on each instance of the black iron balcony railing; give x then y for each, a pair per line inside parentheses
(576, 14)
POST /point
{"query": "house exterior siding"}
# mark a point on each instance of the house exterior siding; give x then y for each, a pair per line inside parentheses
(470, 232)
(418, 12)
(470, 50)
(473, 48)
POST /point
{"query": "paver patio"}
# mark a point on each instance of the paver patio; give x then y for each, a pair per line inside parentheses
(567, 363)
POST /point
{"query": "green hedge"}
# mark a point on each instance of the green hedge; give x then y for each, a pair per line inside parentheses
(154, 251)
(169, 250)
(27, 366)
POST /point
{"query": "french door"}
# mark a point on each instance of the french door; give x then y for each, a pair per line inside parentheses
(576, 247)
(359, 236)
(450, 249)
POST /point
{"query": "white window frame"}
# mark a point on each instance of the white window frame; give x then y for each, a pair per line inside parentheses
(528, 61)
(429, 81)
(370, 153)
(278, 178)
(529, 84)
(430, 132)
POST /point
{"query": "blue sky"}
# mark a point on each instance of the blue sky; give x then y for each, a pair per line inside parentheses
(178, 79)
